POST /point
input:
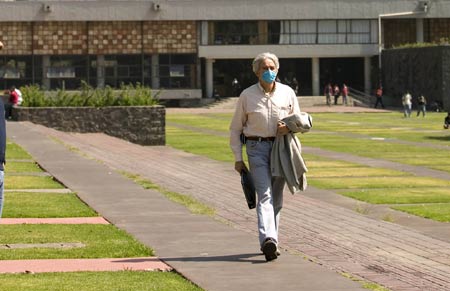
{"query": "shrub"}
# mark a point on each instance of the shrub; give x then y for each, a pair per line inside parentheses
(127, 95)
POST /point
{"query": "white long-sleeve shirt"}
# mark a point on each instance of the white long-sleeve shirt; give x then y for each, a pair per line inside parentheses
(257, 113)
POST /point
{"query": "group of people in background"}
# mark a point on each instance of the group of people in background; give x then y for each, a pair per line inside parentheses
(336, 92)
(407, 104)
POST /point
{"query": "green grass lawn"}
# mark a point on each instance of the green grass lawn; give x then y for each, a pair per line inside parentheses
(31, 182)
(102, 241)
(22, 167)
(97, 281)
(376, 182)
(401, 195)
(44, 205)
(199, 143)
(374, 135)
(13, 151)
(438, 212)
(323, 172)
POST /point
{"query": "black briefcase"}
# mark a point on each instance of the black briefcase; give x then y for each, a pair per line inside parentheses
(249, 189)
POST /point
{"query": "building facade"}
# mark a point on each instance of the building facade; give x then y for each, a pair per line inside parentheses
(195, 48)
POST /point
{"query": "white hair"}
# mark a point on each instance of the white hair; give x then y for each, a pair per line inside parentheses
(256, 64)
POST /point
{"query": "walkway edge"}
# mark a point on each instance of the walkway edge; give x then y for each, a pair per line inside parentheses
(83, 265)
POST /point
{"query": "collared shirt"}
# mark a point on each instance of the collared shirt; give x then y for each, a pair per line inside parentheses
(257, 113)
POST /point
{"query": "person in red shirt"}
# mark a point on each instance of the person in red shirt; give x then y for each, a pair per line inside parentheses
(379, 95)
(12, 101)
(344, 94)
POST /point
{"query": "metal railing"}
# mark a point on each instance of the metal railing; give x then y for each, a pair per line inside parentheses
(361, 98)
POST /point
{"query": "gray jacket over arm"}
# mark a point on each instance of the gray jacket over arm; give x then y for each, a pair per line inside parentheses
(286, 159)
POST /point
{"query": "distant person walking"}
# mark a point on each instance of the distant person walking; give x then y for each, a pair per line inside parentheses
(19, 95)
(422, 105)
(344, 94)
(327, 92)
(336, 93)
(236, 87)
(447, 121)
(294, 85)
(407, 104)
(13, 100)
(379, 96)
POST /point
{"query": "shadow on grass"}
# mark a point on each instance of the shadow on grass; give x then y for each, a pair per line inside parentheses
(440, 138)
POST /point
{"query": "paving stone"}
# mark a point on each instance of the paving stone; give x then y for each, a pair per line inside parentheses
(82, 265)
(69, 220)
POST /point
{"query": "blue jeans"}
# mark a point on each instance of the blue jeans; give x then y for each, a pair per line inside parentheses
(2, 175)
(422, 108)
(268, 189)
(407, 110)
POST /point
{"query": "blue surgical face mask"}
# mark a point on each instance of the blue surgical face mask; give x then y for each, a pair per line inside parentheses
(269, 76)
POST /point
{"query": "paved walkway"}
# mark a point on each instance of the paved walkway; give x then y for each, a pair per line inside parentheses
(221, 257)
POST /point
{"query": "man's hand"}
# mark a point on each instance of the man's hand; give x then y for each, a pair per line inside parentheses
(240, 166)
(282, 128)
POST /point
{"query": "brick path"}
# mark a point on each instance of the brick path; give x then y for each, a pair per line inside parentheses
(394, 256)
(82, 265)
(68, 220)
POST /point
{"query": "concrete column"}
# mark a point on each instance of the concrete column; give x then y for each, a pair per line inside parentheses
(198, 74)
(316, 76)
(100, 71)
(155, 71)
(367, 75)
(204, 33)
(209, 78)
(45, 66)
(419, 30)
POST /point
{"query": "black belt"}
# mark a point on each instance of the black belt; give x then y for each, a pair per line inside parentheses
(258, 138)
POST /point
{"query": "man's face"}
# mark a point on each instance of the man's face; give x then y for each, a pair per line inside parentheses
(267, 64)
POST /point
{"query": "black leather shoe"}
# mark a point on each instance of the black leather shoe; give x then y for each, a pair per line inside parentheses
(269, 249)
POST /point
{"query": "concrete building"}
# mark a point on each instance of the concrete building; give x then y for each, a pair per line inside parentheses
(193, 48)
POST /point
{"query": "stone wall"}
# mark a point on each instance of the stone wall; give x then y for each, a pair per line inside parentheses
(420, 70)
(143, 125)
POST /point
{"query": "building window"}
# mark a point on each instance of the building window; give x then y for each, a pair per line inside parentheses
(235, 32)
(123, 69)
(298, 32)
(66, 72)
(15, 71)
(344, 31)
(177, 71)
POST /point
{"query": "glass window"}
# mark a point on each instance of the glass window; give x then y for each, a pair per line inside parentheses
(123, 69)
(66, 72)
(327, 31)
(177, 70)
(359, 31)
(15, 70)
(235, 32)
(323, 31)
